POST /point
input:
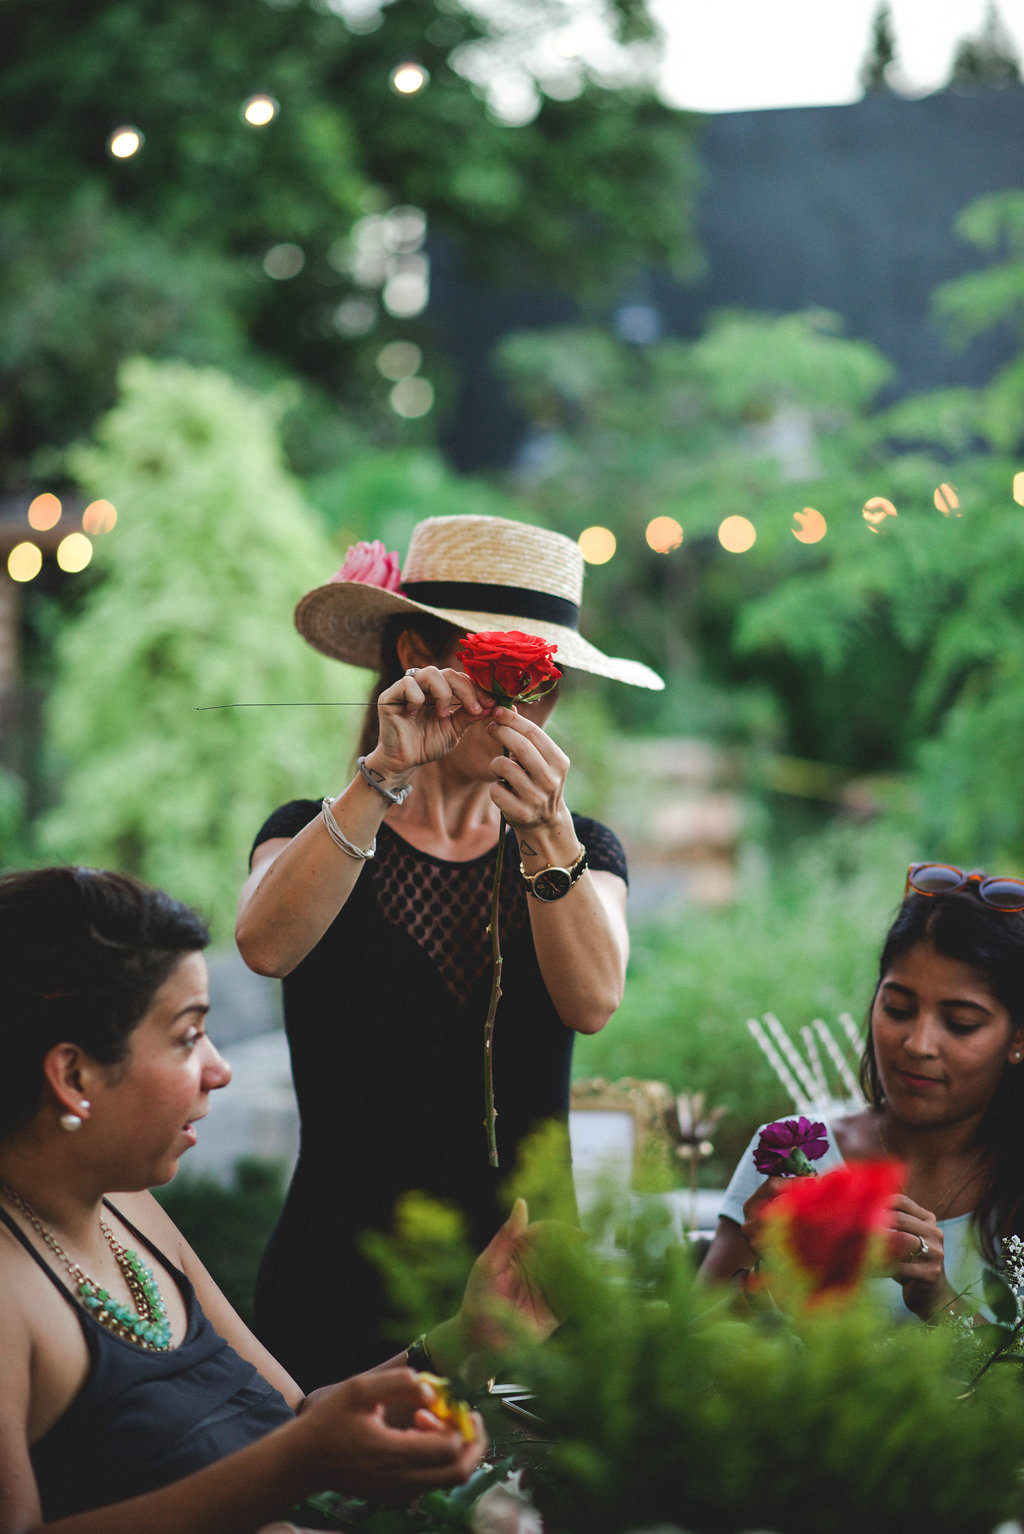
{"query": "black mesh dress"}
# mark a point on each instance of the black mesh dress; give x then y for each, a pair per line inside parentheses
(385, 1027)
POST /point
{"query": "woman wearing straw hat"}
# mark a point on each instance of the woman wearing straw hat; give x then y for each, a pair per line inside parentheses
(373, 906)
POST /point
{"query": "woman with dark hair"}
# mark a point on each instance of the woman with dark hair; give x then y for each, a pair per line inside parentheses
(374, 907)
(133, 1397)
(941, 1073)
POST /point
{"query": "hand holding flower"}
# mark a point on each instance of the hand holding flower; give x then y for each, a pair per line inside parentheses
(917, 1256)
(423, 715)
(787, 1148)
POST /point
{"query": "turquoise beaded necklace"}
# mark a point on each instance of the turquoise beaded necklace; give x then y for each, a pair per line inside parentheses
(149, 1328)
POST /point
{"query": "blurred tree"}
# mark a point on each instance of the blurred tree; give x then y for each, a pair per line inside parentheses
(191, 606)
(987, 61)
(881, 57)
(936, 601)
(299, 246)
(761, 417)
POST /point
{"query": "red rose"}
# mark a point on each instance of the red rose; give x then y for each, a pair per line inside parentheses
(513, 667)
(828, 1225)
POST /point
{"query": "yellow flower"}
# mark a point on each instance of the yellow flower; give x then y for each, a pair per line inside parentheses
(448, 1408)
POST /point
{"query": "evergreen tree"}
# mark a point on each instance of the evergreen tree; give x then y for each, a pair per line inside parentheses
(988, 61)
(879, 61)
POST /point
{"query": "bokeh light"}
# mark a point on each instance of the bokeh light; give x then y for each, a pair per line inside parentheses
(408, 78)
(737, 535)
(284, 261)
(412, 397)
(597, 544)
(399, 359)
(876, 511)
(99, 517)
(74, 553)
(354, 316)
(407, 293)
(664, 534)
(260, 110)
(1018, 488)
(44, 512)
(946, 500)
(124, 142)
(24, 562)
(811, 526)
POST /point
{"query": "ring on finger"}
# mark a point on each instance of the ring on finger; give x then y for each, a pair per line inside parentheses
(925, 1249)
(411, 670)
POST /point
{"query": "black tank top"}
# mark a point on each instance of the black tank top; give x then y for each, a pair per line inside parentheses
(142, 1420)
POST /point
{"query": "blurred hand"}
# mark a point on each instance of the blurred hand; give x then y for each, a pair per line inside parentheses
(374, 1436)
(920, 1273)
(757, 1203)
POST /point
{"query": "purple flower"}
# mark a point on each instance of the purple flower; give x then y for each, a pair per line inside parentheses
(787, 1148)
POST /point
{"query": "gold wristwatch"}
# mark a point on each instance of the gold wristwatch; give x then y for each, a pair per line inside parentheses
(552, 883)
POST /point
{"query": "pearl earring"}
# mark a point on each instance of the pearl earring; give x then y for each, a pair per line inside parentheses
(1015, 1056)
(73, 1121)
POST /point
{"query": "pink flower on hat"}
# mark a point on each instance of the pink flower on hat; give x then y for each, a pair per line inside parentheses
(371, 565)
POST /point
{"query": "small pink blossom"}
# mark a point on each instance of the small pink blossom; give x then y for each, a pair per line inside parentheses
(787, 1148)
(371, 565)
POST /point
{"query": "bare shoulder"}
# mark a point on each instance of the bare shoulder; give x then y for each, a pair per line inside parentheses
(44, 1360)
(856, 1135)
(149, 1215)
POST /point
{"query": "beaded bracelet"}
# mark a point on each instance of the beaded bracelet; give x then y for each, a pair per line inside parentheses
(386, 793)
(339, 838)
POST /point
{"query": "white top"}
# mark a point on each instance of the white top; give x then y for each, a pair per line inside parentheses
(962, 1259)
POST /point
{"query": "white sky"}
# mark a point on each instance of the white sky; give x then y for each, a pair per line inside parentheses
(731, 55)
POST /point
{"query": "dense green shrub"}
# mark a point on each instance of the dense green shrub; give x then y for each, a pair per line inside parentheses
(801, 941)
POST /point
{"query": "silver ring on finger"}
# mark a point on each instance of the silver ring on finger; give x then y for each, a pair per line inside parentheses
(925, 1249)
(411, 670)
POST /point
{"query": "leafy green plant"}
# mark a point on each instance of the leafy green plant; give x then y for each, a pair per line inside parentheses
(190, 606)
(801, 940)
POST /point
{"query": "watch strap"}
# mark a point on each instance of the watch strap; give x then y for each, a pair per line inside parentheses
(577, 867)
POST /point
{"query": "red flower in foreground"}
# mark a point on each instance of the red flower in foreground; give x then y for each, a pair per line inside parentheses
(513, 667)
(787, 1148)
(828, 1225)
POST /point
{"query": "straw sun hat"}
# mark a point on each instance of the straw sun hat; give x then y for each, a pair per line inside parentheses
(479, 574)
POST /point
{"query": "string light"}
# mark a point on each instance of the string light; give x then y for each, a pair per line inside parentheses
(664, 534)
(597, 545)
(99, 517)
(24, 562)
(408, 78)
(946, 500)
(74, 553)
(124, 142)
(737, 535)
(811, 526)
(260, 110)
(44, 512)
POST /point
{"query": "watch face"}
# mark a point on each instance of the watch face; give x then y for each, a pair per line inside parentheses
(552, 883)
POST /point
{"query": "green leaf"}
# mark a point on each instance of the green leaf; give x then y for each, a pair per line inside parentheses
(1000, 1297)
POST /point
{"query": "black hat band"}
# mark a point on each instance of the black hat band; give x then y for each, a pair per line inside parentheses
(477, 596)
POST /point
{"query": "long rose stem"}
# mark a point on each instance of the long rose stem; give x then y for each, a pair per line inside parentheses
(490, 1112)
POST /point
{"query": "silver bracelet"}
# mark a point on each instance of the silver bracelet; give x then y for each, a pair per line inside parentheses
(385, 793)
(338, 836)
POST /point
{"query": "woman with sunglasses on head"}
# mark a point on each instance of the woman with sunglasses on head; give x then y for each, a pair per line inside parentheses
(374, 907)
(942, 1075)
(132, 1397)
